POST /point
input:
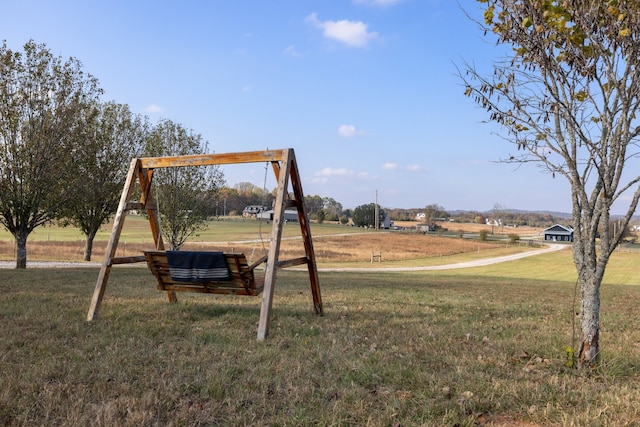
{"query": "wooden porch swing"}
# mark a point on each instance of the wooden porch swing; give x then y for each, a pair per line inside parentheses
(234, 276)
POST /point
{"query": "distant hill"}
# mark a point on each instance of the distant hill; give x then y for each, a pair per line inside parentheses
(516, 216)
(563, 215)
(560, 215)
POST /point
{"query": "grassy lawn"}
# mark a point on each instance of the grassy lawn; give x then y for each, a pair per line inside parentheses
(481, 346)
(136, 230)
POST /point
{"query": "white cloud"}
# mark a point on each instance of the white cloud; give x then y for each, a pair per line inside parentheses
(382, 3)
(331, 176)
(348, 131)
(351, 33)
(318, 180)
(329, 172)
(153, 108)
(245, 89)
(389, 166)
(324, 175)
(291, 51)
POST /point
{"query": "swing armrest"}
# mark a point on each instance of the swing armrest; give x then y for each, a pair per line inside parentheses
(258, 262)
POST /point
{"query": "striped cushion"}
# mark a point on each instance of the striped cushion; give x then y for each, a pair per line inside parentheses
(185, 266)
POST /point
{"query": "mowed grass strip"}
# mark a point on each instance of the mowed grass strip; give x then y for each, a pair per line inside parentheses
(470, 347)
(136, 230)
(558, 266)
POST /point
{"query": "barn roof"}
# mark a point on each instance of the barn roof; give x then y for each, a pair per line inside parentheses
(558, 229)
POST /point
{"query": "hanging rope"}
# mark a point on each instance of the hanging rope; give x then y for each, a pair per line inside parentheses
(155, 188)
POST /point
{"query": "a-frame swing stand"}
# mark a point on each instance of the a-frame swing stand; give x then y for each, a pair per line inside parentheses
(285, 168)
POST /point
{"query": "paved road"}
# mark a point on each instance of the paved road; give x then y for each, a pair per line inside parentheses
(49, 264)
(477, 263)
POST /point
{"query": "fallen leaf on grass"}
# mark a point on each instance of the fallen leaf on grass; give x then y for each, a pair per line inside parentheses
(464, 397)
(446, 391)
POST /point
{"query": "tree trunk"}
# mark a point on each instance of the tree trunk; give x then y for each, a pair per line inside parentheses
(90, 233)
(589, 353)
(21, 250)
(88, 248)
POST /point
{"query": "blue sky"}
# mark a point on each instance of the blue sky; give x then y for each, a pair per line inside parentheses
(365, 91)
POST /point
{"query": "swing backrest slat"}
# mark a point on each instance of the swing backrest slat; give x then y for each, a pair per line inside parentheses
(241, 281)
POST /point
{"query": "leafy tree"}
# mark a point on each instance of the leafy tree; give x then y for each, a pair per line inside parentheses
(245, 188)
(313, 205)
(331, 208)
(41, 99)
(398, 214)
(568, 99)
(110, 136)
(434, 211)
(231, 201)
(185, 195)
(260, 196)
(346, 216)
(322, 208)
(364, 215)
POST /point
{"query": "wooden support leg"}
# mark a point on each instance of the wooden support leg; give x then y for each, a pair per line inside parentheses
(171, 295)
(274, 248)
(118, 223)
(305, 229)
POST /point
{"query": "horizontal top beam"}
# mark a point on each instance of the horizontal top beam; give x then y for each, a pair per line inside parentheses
(214, 159)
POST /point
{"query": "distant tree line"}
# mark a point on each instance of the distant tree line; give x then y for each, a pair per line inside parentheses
(232, 200)
(513, 218)
(328, 209)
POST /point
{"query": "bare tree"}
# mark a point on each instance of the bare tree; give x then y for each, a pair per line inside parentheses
(110, 136)
(568, 99)
(41, 97)
(187, 195)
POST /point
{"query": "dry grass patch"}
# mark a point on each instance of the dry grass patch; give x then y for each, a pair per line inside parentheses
(393, 246)
(358, 247)
(392, 349)
(475, 228)
(334, 249)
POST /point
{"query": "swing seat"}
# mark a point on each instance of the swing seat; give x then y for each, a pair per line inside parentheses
(241, 279)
